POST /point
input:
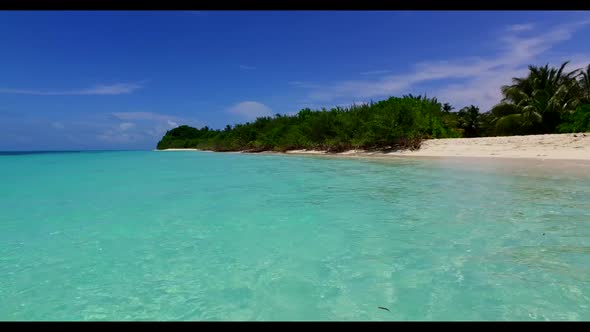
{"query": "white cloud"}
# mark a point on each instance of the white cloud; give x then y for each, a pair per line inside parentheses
(116, 136)
(113, 89)
(250, 110)
(355, 103)
(520, 27)
(126, 125)
(482, 91)
(57, 125)
(307, 85)
(375, 72)
(480, 77)
(139, 116)
(146, 127)
(579, 61)
(244, 67)
(163, 120)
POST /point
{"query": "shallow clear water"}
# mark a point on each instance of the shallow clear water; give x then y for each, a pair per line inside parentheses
(212, 236)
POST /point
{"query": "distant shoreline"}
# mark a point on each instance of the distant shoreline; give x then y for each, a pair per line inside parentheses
(550, 146)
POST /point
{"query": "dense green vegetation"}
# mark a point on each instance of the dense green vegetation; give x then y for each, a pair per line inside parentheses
(392, 123)
(548, 100)
(542, 101)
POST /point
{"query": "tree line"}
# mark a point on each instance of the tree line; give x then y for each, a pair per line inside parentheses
(547, 100)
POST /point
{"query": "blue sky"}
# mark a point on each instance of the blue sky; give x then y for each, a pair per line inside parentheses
(119, 80)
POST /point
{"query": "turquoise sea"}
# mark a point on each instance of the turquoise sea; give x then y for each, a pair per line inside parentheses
(146, 235)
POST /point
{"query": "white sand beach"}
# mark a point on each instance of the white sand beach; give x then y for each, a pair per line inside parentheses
(551, 146)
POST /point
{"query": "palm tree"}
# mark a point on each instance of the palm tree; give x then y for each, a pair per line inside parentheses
(584, 84)
(539, 100)
(447, 108)
(470, 121)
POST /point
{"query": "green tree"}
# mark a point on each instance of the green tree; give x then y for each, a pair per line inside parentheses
(584, 83)
(391, 123)
(577, 122)
(537, 102)
(469, 121)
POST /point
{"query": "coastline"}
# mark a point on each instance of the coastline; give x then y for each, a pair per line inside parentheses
(188, 149)
(550, 146)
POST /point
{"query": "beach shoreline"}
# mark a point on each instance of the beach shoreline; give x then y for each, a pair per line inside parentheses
(550, 146)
